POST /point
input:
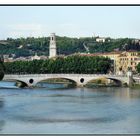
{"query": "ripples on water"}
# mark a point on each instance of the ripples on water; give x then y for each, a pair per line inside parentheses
(56, 110)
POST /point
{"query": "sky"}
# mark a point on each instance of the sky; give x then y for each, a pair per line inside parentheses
(71, 21)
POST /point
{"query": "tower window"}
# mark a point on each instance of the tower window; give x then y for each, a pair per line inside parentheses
(52, 38)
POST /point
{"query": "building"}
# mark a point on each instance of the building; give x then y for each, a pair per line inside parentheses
(36, 57)
(136, 41)
(114, 57)
(128, 60)
(100, 39)
(52, 49)
(7, 58)
(21, 59)
(43, 57)
(122, 61)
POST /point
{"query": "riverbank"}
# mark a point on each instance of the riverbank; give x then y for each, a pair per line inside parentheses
(93, 85)
(135, 86)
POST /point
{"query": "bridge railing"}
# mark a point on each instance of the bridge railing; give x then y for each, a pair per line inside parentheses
(65, 74)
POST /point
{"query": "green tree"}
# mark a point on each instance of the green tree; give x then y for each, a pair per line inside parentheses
(65, 45)
(138, 68)
(2, 68)
(70, 64)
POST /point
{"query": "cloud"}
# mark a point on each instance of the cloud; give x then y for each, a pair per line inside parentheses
(25, 26)
(19, 30)
(38, 30)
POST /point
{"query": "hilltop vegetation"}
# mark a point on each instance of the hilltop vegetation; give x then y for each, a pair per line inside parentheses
(65, 45)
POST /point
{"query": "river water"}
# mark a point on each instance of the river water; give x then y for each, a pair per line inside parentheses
(59, 110)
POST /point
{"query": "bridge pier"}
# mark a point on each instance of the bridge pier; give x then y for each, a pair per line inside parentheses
(130, 78)
(80, 85)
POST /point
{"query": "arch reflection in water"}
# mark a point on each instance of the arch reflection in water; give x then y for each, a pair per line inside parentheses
(2, 123)
(8, 84)
(1, 103)
(56, 83)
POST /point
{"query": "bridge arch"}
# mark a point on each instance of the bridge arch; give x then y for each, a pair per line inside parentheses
(69, 80)
(21, 83)
(118, 81)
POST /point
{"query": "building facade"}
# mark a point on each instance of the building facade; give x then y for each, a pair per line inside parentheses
(128, 60)
(100, 39)
(36, 57)
(122, 61)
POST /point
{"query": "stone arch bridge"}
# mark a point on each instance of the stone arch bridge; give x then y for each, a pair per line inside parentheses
(80, 79)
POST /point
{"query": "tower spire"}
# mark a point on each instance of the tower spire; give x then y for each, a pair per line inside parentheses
(52, 51)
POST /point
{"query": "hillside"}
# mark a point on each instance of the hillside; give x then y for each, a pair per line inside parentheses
(65, 45)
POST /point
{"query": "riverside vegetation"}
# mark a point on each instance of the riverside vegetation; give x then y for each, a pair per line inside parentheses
(70, 64)
(2, 69)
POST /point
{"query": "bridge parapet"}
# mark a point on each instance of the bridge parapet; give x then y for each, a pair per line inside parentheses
(42, 75)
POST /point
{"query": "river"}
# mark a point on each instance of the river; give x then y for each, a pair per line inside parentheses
(59, 110)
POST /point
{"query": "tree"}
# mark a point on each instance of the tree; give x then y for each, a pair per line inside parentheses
(65, 45)
(71, 64)
(2, 68)
(138, 68)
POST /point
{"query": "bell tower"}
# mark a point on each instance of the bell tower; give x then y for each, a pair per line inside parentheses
(52, 49)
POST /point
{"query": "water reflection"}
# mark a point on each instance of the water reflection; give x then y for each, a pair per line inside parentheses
(1, 103)
(82, 90)
(2, 123)
(52, 85)
(7, 84)
(123, 93)
(127, 94)
(39, 120)
(55, 85)
(78, 110)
